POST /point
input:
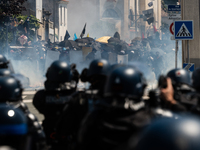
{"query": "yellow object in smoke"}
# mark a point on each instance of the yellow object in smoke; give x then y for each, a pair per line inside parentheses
(103, 39)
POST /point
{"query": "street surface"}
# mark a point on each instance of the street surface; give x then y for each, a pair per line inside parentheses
(28, 95)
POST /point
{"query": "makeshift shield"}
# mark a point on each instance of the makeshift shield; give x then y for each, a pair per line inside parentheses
(112, 58)
(122, 59)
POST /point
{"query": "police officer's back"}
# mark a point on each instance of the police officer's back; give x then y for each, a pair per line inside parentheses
(11, 93)
(195, 80)
(13, 128)
(175, 134)
(119, 114)
(50, 102)
(82, 101)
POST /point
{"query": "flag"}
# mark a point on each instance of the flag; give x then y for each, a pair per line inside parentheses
(67, 36)
(155, 30)
(83, 32)
(143, 36)
(88, 35)
(75, 37)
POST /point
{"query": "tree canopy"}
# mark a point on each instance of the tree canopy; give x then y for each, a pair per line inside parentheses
(11, 7)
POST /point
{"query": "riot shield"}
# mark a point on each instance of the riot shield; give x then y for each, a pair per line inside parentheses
(86, 51)
(51, 56)
(122, 59)
(98, 55)
(112, 58)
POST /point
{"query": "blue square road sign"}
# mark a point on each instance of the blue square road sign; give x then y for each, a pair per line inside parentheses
(188, 66)
(183, 30)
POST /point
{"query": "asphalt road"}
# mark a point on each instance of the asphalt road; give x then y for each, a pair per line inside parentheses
(28, 99)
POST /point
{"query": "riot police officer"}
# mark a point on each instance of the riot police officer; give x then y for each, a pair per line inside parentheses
(96, 74)
(181, 82)
(118, 114)
(13, 128)
(195, 79)
(174, 134)
(5, 64)
(5, 72)
(83, 101)
(60, 84)
(11, 93)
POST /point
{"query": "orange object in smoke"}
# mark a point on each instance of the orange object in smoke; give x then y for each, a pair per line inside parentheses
(103, 39)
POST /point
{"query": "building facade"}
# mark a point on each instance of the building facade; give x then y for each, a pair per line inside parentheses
(57, 20)
(121, 15)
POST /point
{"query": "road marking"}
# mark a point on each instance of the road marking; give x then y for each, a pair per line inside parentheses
(29, 92)
(28, 101)
(23, 97)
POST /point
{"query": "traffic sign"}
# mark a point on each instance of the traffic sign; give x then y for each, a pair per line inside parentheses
(174, 16)
(171, 28)
(174, 7)
(183, 30)
(189, 66)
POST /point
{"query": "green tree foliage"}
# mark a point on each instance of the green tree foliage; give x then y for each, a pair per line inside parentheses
(33, 24)
(33, 21)
(11, 7)
(8, 8)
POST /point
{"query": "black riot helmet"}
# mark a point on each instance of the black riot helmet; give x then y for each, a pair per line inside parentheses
(125, 82)
(196, 79)
(59, 71)
(10, 89)
(98, 67)
(13, 127)
(3, 62)
(179, 77)
(5, 72)
(60, 76)
(171, 134)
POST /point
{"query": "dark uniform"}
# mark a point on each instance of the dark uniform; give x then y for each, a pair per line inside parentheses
(170, 134)
(83, 101)
(13, 128)
(61, 83)
(11, 93)
(119, 114)
(181, 82)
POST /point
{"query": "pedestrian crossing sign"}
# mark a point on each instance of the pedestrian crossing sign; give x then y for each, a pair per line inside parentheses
(183, 30)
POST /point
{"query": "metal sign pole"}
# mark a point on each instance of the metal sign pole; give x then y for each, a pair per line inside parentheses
(176, 54)
(188, 52)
